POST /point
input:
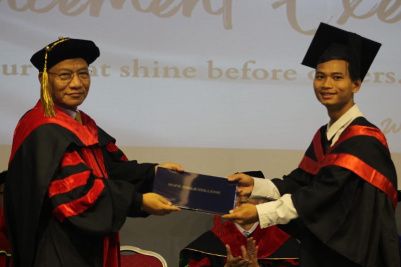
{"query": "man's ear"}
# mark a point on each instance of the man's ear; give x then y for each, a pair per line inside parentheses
(40, 75)
(356, 85)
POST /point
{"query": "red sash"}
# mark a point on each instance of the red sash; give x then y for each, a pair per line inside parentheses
(350, 162)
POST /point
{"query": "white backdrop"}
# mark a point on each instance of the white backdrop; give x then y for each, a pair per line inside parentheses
(190, 75)
(179, 76)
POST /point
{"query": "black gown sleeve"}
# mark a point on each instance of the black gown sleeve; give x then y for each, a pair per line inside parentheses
(293, 181)
(93, 203)
(140, 175)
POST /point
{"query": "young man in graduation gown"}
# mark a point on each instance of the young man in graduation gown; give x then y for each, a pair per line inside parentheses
(340, 201)
(227, 243)
(69, 188)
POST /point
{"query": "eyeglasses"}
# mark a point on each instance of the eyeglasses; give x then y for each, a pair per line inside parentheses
(67, 76)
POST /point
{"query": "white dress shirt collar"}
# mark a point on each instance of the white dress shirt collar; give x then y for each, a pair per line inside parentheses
(247, 233)
(71, 113)
(334, 130)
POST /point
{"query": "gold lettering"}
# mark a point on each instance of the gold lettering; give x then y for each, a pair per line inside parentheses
(385, 11)
(246, 72)
(390, 77)
(349, 11)
(31, 5)
(103, 70)
(160, 8)
(137, 5)
(156, 70)
(7, 71)
(25, 70)
(67, 8)
(124, 71)
(154, 7)
(378, 77)
(226, 10)
(292, 16)
(188, 7)
(189, 72)
(13, 5)
(12, 70)
(389, 126)
(290, 75)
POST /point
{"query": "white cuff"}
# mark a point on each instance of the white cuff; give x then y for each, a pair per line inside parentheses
(280, 211)
(264, 188)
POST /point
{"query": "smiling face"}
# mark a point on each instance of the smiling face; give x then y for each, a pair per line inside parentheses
(69, 81)
(334, 87)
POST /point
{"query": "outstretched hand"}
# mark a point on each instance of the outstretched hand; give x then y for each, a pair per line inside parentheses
(245, 183)
(243, 214)
(156, 204)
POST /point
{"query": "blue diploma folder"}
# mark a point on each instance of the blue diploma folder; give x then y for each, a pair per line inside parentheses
(193, 191)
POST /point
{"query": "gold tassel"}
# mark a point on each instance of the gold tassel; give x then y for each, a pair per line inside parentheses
(45, 91)
(45, 95)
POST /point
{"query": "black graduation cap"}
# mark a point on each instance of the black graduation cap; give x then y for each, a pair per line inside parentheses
(65, 48)
(333, 43)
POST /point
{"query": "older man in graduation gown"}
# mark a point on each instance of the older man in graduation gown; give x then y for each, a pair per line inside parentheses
(69, 188)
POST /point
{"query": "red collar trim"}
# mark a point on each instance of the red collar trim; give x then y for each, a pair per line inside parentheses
(86, 132)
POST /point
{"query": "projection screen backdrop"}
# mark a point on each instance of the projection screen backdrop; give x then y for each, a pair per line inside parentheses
(214, 84)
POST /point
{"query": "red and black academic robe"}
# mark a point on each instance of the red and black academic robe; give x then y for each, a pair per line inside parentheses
(68, 191)
(5, 246)
(345, 198)
(276, 248)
